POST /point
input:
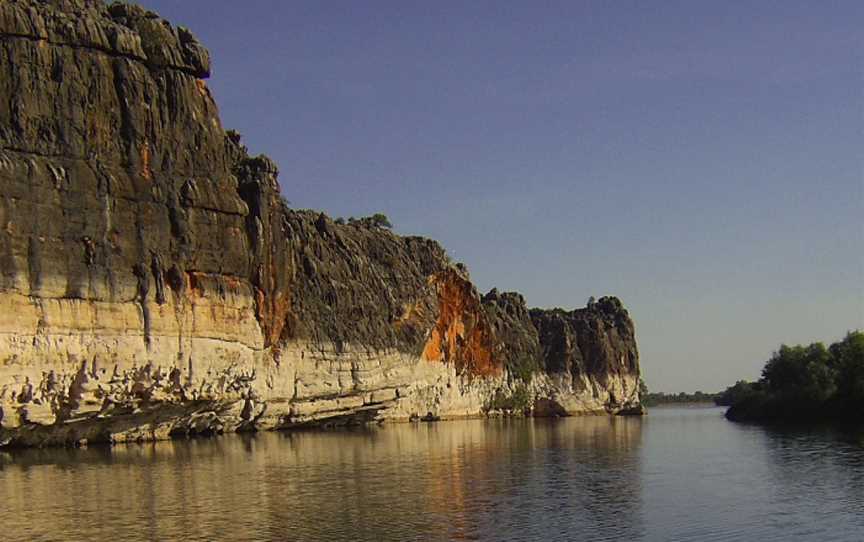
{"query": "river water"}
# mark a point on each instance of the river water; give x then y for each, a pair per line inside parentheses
(677, 474)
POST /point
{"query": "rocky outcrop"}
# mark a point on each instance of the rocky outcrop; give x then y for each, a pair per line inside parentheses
(592, 350)
(154, 282)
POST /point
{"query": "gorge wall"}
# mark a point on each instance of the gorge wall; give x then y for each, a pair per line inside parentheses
(153, 282)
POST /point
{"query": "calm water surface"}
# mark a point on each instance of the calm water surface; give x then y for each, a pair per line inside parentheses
(679, 474)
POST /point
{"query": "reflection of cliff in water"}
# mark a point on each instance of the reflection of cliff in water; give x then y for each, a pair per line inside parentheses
(678, 474)
(450, 481)
(454, 480)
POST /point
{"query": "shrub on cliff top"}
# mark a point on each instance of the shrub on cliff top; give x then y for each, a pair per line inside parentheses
(378, 220)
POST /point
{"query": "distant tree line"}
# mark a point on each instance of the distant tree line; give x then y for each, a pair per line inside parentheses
(660, 398)
(804, 383)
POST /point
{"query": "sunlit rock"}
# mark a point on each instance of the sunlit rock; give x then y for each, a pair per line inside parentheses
(153, 282)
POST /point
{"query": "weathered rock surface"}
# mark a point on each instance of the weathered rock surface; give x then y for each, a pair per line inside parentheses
(593, 350)
(153, 282)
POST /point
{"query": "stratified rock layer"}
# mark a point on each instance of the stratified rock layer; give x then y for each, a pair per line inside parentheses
(153, 282)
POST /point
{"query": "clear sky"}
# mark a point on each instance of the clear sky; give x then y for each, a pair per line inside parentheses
(700, 160)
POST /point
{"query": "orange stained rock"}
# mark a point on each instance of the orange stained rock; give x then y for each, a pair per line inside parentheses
(145, 161)
(202, 88)
(462, 334)
(273, 311)
(273, 305)
(273, 314)
(432, 350)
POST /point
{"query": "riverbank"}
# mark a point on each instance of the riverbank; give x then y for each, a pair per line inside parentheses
(805, 384)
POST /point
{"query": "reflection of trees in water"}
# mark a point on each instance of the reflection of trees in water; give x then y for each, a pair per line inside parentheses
(430, 481)
(823, 462)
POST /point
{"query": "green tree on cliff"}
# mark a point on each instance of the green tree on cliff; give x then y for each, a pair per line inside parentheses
(380, 220)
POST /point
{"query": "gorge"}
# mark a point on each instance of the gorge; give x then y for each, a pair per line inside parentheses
(155, 283)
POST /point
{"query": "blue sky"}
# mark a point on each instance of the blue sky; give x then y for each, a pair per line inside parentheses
(700, 160)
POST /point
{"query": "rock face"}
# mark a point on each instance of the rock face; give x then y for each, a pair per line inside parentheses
(155, 283)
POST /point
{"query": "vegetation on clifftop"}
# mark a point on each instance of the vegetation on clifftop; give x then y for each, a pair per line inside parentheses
(804, 383)
(378, 220)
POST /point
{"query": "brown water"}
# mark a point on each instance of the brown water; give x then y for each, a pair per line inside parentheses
(679, 474)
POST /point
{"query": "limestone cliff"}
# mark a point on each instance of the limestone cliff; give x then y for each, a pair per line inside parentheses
(153, 281)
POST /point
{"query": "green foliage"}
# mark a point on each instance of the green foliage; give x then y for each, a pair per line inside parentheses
(739, 391)
(805, 382)
(517, 400)
(523, 368)
(804, 372)
(340, 221)
(848, 361)
(378, 220)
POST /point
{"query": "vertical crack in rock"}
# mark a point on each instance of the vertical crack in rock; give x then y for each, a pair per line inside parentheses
(158, 278)
(34, 264)
(143, 289)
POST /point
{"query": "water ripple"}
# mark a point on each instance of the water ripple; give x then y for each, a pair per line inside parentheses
(678, 475)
